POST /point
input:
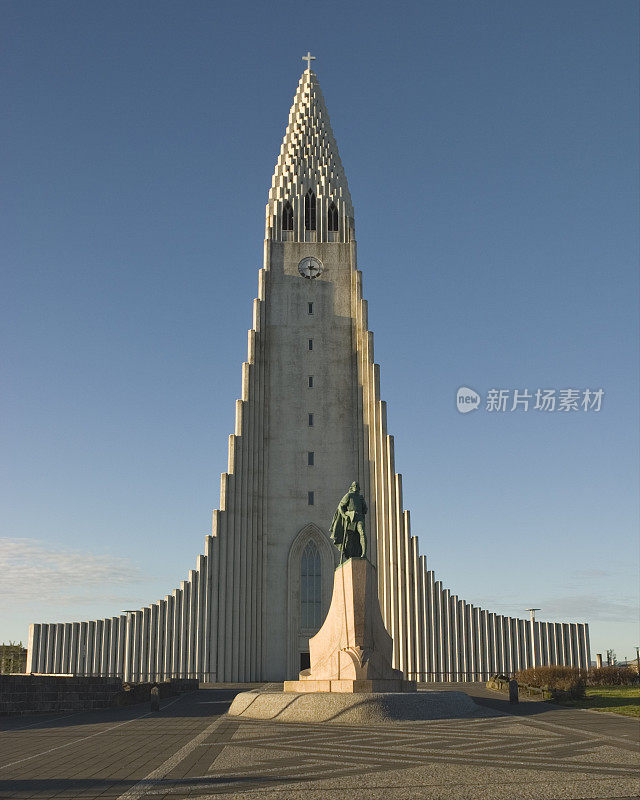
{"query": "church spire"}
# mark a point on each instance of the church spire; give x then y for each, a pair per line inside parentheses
(309, 199)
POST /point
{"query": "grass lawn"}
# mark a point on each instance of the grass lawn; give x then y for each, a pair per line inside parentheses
(619, 699)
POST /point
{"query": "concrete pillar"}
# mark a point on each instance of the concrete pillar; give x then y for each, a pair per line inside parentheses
(168, 637)
(397, 587)
(33, 646)
(50, 652)
(432, 628)
(91, 643)
(510, 666)
(98, 631)
(212, 618)
(573, 641)
(74, 647)
(42, 648)
(203, 574)
(551, 643)
(112, 657)
(465, 639)
(587, 646)
(485, 645)
(231, 565)
(177, 632)
(138, 625)
(239, 560)
(191, 624)
(564, 644)
(128, 649)
(475, 620)
(454, 639)
(447, 666)
(82, 651)
(122, 645)
(153, 643)
(185, 592)
(419, 571)
(440, 652)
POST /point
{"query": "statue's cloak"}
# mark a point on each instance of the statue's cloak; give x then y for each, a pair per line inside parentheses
(337, 528)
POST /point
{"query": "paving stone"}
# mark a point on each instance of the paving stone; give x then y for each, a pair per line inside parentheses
(533, 751)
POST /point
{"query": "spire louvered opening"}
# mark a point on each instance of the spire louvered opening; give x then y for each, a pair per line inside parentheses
(310, 211)
(332, 218)
(287, 217)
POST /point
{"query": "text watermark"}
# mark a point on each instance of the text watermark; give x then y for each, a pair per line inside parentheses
(543, 400)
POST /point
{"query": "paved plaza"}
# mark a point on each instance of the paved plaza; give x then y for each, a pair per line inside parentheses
(191, 749)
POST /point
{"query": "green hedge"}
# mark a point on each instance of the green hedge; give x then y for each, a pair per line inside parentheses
(561, 682)
(612, 676)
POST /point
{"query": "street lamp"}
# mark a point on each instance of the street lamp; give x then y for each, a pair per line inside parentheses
(532, 611)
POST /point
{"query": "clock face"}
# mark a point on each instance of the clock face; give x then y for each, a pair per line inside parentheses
(310, 267)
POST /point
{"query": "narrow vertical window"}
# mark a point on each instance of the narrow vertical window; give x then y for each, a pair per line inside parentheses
(311, 420)
(310, 211)
(332, 218)
(310, 458)
(310, 498)
(287, 217)
(310, 344)
(310, 308)
(311, 381)
(310, 588)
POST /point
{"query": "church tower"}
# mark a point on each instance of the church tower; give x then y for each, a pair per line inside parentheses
(309, 421)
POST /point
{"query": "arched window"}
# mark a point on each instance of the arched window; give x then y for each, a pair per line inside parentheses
(310, 588)
(332, 218)
(310, 211)
(287, 217)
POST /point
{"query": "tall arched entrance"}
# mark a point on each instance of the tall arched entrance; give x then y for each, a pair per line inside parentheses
(310, 568)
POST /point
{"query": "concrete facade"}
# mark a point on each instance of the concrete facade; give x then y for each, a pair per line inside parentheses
(309, 421)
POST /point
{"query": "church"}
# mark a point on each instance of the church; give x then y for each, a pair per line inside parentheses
(309, 421)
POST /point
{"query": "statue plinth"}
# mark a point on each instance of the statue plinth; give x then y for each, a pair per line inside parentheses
(352, 651)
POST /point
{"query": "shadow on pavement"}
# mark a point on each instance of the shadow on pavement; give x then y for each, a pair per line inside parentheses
(199, 703)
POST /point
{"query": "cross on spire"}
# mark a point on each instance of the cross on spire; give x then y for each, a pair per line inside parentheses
(308, 58)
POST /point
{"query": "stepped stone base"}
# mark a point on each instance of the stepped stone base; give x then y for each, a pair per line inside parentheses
(352, 653)
(351, 686)
(355, 709)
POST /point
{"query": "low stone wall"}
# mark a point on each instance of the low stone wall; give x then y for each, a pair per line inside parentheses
(29, 694)
(26, 694)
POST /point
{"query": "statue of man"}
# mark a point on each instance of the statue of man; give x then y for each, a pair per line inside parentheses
(347, 528)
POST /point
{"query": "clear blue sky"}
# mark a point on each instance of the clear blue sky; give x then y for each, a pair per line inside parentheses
(492, 155)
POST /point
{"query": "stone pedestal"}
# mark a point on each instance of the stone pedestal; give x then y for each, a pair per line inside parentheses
(352, 651)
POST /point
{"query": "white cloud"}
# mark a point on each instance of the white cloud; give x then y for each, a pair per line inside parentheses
(593, 607)
(34, 570)
(597, 606)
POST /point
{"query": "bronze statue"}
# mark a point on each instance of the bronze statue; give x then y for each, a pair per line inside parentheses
(347, 528)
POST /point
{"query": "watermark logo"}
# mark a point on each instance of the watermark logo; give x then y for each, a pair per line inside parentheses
(467, 400)
(542, 400)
